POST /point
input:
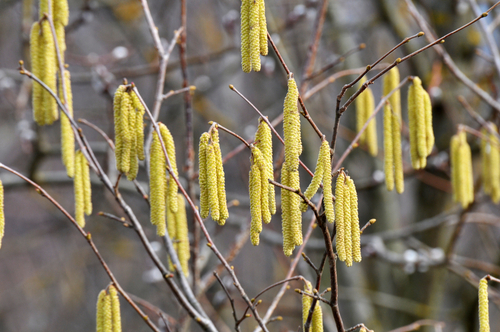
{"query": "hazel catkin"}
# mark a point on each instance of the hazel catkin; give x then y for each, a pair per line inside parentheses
(221, 182)
(48, 68)
(79, 187)
(172, 187)
(461, 170)
(355, 230)
(327, 181)
(67, 135)
(104, 313)
(255, 204)
(291, 127)
(484, 320)
(213, 198)
(253, 34)
(203, 178)
(157, 185)
(115, 309)
(263, 141)
(182, 234)
(317, 316)
(365, 105)
(254, 20)
(339, 216)
(246, 63)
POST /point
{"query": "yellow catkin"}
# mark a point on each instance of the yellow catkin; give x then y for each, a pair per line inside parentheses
(315, 182)
(495, 169)
(388, 145)
(48, 73)
(255, 204)
(416, 111)
(61, 11)
(485, 161)
(123, 164)
(139, 125)
(168, 140)
(347, 222)
(134, 161)
(115, 309)
(107, 314)
(395, 101)
(327, 181)
(360, 103)
(245, 36)
(294, 206)
(371, 130)
(392, 113)
(454, 162)
(117, 99)
(288, 245)
(157, 185)
(339, 216)
(263, 27)
(355, 230)
(465, 154)
(61, 40)
(202, 163)
(263, 140)
(306, 303)
(429, 132)
(213, 198)
(35, 54)
(172, 231)
(254, 34)
(221, 182)
(264, 184)
(484, 320)
(67, 136)
(182, 234)
(44, 9)
(317, 319)
(87, 186)
(79, 190)
(291, 127)
(100, 311)
(2, 214)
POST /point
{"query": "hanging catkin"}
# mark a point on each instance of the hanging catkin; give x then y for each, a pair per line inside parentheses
(327, 181)
(392, 133)
(87, 188)
(355, 230)
(2, 214)
(83, 194)
(35, 54)
(213, 198)
(182, 234)
(253, 34)
(221, 182)
(263, 141)
(157, 185)
(365, 105)
(255, 203)
(317, 317)
(291, 127)
(315, 182)
(347, 222)
(67, 136)
(288, 245)
(104, 313)
(202, 162)
(461, 170)
(172, 187)
(115, 309)
(339, 216)
(429, 133)
(490, 157)
(484, 320)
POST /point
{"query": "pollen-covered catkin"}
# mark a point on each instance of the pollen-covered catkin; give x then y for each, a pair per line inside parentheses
(255, 204)
(327, 181)
(254, 19)
(67, 136)
(134, 161)
(417, 124)
(317, 317)
(263, 28)
(484, 320)
(360, 103)
(35, 54)
(347, 222)
(221, 182)
(288, 245)
(202, 164)
(139, 124)
(339, 216)
(115, 309)
(469, 179)
(429, 133)
(490, 156)
(315, 182)
(79, 190)
(454, 165)
(388, 144)
(48, 68)
(291, 127)
(157, 185)
(100, 311)
(246, 64)
(168, 140)
(182, 234)
(461, 170)
(355, 230)
(2, 214)
(213, 198)
(371, 130)
(485, 161)
(306, 303)
(294, 206)
(87, 187)
(172, 230)
(263, 140)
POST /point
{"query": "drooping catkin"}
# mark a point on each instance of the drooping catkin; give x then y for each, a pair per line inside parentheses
(360, 103)
(288, 245)
(45, 9)
(355, 230)
(100, 307)
(115, 309)
(172, 231)
(485, 161)
(182, 235)
(2, 214)
(418, 124)
(35, 54)
(246, 64)
(254, 19)
(263, 140)
(255, 204)
(291, 127)
(157, 185)
(317, 317)
(347, 222)
(264, 185)
(79, 187)
(67, 136)
(168, 140)
(429, 133)
(133, 160)
(294, 206)
(221, 182)
(339, 216)
(61, 11)
(213, 198)
(467, 157)
(107, 314)
(327, 181)
(388, 144)
(202, 163)
(139, 125)
(87, 187)
(315, 182)
(395, 101)
(48, 68)
(461, 170)
(454, 165)
(371, 130)
(484, 320)
(490, 158)
(263, 28)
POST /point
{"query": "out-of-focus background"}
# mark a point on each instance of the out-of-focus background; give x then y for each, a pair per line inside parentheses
(49, 277)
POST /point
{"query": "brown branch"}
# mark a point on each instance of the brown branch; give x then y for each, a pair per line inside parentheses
(113, 217)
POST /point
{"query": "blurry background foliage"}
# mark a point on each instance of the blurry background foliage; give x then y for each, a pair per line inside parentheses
(49, 278)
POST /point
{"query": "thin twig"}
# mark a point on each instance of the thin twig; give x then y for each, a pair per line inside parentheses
(236, 327)
(113, 217)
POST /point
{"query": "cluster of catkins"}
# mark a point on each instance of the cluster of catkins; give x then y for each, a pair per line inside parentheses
(347, 220)
(490, 157)
(461, 170)
(83, 189)
(317, 317)
(108, 315)
(129, 131)
(211, 177)
(484, 319)
(253, 34)
(291, 214)
(262, 195)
